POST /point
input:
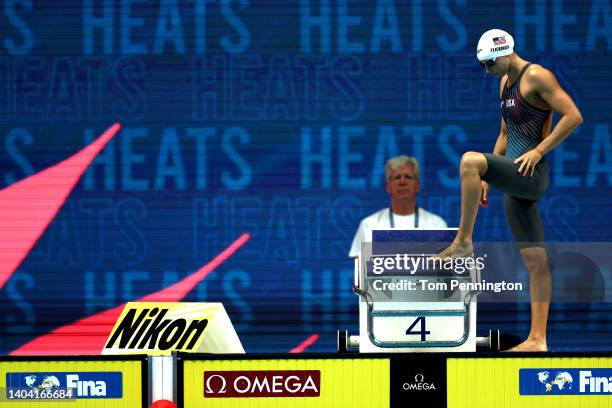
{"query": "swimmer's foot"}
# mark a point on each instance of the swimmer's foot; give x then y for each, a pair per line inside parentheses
(529, 345)
(458, 249)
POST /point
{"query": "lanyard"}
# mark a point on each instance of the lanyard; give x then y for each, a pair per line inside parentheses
(416, 217)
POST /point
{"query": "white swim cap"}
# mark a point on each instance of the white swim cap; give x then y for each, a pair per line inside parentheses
(494, 43)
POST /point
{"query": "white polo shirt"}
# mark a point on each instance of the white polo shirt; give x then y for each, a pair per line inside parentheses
(380, 220)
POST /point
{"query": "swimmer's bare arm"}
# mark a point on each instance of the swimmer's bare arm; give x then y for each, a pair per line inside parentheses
(502, 140)
(498, 150)
(544, 83)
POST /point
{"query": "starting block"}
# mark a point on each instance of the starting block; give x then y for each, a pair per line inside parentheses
(412, 311)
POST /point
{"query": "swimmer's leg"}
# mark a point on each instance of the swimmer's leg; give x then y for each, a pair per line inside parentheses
(473, 166)
(540, 285)
(526, 225)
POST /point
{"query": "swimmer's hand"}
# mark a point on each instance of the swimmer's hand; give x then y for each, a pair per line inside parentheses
(484, 195)
(528, 161)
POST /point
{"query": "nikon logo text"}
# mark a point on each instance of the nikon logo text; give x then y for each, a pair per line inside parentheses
(232, 384)
(149, 330)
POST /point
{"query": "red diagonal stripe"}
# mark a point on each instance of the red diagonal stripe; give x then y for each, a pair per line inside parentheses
(300, 348)
(88, 335)
(28, 206)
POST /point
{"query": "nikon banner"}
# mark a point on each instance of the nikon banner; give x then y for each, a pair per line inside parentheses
(459, 380)
(158, 328)
(77, 382)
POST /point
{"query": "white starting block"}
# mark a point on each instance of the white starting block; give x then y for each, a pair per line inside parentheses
(399, 320)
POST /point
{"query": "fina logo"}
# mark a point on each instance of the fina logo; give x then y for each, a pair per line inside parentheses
(48, 381)
(562, 381)
(419, 384)
(86, 388)
(83, 384)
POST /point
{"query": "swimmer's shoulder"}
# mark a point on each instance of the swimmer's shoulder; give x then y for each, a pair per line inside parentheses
(536, 74)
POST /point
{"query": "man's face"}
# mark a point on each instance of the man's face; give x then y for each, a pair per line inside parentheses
(403, 183)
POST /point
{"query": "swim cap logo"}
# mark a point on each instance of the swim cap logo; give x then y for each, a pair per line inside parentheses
(504, 47)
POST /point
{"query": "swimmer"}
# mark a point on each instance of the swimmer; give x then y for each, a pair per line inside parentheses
(529, 94)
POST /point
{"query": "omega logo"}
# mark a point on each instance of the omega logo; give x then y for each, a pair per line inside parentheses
(419, 384)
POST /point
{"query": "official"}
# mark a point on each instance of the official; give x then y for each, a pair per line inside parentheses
(402, 181)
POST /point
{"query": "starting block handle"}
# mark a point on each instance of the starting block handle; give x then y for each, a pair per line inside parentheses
(357, 273)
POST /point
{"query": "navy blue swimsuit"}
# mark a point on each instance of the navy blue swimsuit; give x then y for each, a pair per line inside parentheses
(525, 125)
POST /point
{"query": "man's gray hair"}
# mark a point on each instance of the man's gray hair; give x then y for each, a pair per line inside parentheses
(395, 163)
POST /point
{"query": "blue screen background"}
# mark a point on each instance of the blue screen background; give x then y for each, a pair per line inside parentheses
(275, 118)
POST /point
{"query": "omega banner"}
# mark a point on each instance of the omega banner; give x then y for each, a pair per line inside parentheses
(356, 380)
(262, 383)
